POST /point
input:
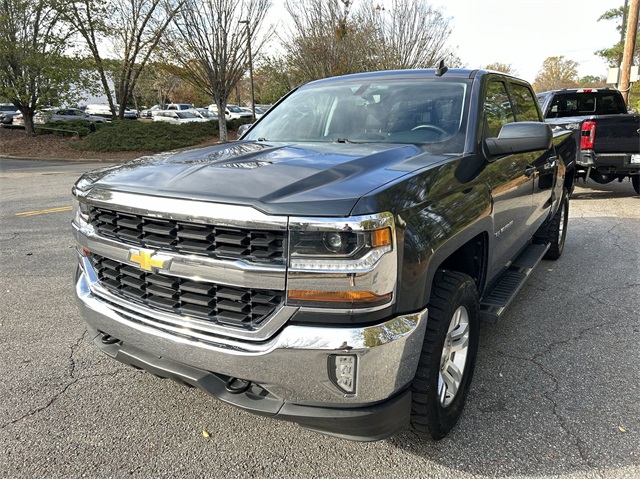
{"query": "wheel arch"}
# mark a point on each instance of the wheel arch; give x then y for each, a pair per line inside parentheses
(467, 252)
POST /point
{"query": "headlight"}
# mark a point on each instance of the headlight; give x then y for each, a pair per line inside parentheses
(342, 264)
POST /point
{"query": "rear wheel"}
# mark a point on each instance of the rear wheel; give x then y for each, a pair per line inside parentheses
(445, 369)
(635, 179)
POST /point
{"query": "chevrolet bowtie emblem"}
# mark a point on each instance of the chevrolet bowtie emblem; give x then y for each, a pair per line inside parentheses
(148, 260)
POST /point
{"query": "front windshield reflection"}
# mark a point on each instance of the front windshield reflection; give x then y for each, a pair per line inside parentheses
(394, 111)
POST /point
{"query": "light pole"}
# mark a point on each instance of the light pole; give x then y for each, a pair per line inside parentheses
(253, 100)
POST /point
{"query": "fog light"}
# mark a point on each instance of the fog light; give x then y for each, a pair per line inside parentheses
(342, 371)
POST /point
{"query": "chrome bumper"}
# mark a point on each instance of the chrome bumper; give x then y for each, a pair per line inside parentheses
(291, 365)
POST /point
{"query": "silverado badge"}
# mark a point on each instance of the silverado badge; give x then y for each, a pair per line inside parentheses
(148, 260)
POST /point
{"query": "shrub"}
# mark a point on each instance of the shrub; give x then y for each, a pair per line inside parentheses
(127, 135)
(68, 128)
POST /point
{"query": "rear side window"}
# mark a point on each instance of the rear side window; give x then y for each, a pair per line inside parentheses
(523, 103)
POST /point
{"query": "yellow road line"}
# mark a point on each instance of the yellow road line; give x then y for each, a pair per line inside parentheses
(43, 212)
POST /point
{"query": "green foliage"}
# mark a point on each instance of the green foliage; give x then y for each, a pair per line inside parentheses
(127, 135)
(69, 128)
(556, 73)
(35, 68)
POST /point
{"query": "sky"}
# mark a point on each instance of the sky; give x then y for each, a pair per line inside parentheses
(523, 33)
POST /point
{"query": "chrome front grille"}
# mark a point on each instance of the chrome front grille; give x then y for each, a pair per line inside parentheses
(223, 242)
(226, 305)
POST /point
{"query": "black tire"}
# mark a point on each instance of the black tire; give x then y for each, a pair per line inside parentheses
(434, 412)
(557, 232)
(635, 180)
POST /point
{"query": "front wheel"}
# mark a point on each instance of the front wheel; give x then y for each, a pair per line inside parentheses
(635, 180)
(445, 368)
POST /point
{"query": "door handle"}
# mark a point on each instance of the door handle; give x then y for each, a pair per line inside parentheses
(529, 170)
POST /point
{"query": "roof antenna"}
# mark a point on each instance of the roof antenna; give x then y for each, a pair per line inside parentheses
(442, 69)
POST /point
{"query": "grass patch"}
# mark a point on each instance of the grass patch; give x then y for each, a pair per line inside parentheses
(128, 135)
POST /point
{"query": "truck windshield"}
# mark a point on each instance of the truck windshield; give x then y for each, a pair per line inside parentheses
(395, 111)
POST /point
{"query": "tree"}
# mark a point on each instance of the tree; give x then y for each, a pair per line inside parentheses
(592, 81)
(323, 40)
(133, 28)
(34, 70)
(211, 46)
(272, 80)
(556, 73)
(408, 34)
(156, 84)
(502, 67)
(329, 37)
(613, 55)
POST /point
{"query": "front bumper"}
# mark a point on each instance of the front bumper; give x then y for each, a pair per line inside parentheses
(288, 374)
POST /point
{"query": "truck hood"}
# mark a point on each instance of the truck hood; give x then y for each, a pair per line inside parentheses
(302, 179)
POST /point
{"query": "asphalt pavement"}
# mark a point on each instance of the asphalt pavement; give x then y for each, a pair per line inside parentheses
(555, 394)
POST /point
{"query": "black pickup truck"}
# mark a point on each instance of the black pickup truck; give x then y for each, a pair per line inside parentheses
(332, 267)
(607, 136)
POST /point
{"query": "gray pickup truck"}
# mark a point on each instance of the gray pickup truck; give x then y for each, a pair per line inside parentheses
(332, 267)
(606, 135)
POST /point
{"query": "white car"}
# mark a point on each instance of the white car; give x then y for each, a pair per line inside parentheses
(103, 110)
(233, 112)
(259, 111)
(205, 113)
(177, 117)
(150, 112)
(65, 114)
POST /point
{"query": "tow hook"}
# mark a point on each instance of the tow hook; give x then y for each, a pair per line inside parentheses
(242, 386)
(108, 339)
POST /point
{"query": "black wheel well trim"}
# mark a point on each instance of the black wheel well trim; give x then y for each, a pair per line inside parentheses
(475, 238)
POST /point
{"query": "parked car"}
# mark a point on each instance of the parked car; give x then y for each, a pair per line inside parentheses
(65, 114)
(259, 111)
(205, 113)
(7, 112)
(180, 106)
(233, 112)
(606, 135)
(150, 112)
(18, 120)
(103, 110)
(331, 268)
(178, 117)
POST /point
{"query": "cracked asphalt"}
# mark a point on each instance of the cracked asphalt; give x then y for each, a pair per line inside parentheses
(555, 394)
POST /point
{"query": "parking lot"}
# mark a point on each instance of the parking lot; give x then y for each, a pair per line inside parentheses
(555, 392)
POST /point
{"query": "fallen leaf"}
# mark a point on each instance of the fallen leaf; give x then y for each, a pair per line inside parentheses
(501, 375)
(205, 433)
(621, 429)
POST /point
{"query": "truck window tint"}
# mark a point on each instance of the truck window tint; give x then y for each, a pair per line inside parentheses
(523, 103)
(585, 103)
(497, 109)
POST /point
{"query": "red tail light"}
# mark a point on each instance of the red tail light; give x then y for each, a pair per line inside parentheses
(588, 135)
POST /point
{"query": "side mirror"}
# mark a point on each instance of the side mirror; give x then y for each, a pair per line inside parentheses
(520, 137)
